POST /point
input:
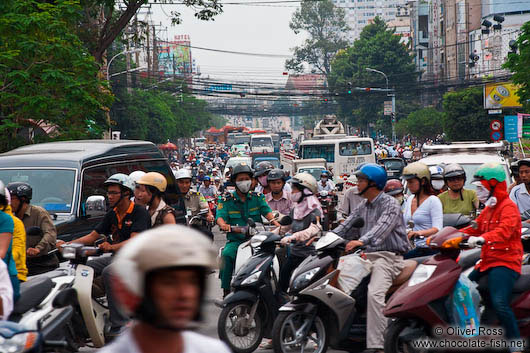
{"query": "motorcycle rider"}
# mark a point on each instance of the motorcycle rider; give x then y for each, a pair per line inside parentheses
(306, 215)
(457, 199)
(437, 179)
(7, 227)
(325, 183)
(160, 279)
(499, 229)
(135, 176)
(394, 188)
(385, 241)
(514, 170)
(122, 222)
(19, 240)
(194, 200)
(37, 258)
(350, 200)
(260, 173)
(520, 193)
(207, 189)
(278, 199)
(152, 187)
(233, 210)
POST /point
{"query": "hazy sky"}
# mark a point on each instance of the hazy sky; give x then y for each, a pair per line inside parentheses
(254, 29)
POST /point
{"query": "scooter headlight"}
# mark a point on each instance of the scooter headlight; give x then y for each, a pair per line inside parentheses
(304, 278)
(69, 252)
(421, 274)
(256, 240)
(252, 278)
(19, 342)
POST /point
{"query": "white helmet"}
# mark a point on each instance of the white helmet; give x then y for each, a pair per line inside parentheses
(122, 180)
(183, 174)
(136, 175)
(305, 180)
(167, 246)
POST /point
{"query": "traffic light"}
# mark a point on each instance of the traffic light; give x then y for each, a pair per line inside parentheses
(349, 87)
(393, 117)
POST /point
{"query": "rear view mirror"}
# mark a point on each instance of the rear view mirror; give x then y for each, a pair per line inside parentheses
(286, 220)
(95, 206)
(358, 222)
(34, 231)
(65, 298)
(251, 222)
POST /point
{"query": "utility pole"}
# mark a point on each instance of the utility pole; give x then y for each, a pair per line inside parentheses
(128, 62)
(148, 55)
(155, 54)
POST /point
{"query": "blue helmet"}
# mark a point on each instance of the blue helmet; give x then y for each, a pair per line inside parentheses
(206, 178)
(374, 173)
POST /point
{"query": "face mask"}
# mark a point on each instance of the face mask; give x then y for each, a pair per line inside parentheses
(296, 196)
(263, 180)
(355, 190)
(438, 184)
(244, 186)
(482, 194)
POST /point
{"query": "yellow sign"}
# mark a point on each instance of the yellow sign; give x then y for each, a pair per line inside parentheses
(500, 95)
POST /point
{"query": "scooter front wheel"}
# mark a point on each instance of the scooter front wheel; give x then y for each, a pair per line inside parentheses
(396, 332)
(299, 332)
(235, 329)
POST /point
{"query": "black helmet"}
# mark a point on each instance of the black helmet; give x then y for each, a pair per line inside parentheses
(276, 174)
(454, 170)
(514, 168)
(263, 167)
(525, 161)
(20, 190)
(241, 168)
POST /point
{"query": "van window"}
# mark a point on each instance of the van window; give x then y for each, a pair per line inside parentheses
(94, 177)
(53, 189)
(319, 151)
(261, 142)
(355, 148)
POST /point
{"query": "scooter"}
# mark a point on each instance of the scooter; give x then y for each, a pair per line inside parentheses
(16, 338)
(418, 306)
(249, 311)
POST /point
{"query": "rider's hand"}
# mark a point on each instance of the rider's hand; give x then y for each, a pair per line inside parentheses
(413, 234)
(59, 243)
(32, 252)
(210, 218)
(225, 227)
(286, 240)
(106, 246)
(472, 242)
(353, 244)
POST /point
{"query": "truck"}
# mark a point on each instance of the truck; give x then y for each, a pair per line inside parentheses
(313, 166)
(261, 143)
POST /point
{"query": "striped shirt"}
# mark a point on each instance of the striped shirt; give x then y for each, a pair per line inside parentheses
(384, 228)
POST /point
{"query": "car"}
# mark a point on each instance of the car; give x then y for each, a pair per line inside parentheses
(239, 149)
(232, 162)
(393, 166)
(470, 155)
(64, 175)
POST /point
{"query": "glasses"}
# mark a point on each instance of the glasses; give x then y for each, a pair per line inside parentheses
(113, 193)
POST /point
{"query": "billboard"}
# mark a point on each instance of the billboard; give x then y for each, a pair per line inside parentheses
(500, 95)
(175, 58)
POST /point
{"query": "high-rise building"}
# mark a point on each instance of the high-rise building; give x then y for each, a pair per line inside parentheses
(360, 13)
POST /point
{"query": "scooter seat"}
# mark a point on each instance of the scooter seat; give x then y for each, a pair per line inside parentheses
(408, 269)
(469, 258)
(521, 285)
(32, 293)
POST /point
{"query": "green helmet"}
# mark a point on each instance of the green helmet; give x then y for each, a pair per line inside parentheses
(489, 171)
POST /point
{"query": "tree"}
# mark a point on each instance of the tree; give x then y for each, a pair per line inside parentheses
(103, 23)
(423, 123)
(378, 48)
(47, 78)
(519, 64)
(464, 115)
(325, 24)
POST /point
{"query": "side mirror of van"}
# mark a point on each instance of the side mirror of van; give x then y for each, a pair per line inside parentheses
(95, 206)
(281, 166)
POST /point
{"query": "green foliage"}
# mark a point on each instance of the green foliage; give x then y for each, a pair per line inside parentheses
(465, 118)
(519, 64)
(325, 24)
(377, 48)
(47, 78)
(423, 123)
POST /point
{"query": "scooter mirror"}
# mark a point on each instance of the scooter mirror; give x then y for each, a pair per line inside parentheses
(65, 298)
(251, 222)
(286, 220)
(358, 222)
(34, 231)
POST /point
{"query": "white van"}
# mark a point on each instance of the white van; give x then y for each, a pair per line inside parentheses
(261, 144)
(342, 154)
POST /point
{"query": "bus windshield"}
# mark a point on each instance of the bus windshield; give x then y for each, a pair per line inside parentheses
(319, 151)
(355, 148)
(261, 142)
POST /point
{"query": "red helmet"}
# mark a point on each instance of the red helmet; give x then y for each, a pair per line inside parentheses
(393, 187)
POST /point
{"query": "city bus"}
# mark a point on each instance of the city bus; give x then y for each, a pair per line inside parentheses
(342, 154)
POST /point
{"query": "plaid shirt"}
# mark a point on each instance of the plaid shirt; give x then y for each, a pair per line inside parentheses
(384, 228)
(283, 205)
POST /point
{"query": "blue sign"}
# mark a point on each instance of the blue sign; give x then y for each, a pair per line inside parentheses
(496, 135)
(510, 128)
(220, 87)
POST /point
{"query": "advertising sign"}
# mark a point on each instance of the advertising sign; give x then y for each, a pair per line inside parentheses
(500, 95)
(511, 128)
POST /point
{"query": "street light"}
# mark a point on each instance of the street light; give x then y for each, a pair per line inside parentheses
(115, 56)
(393, 95)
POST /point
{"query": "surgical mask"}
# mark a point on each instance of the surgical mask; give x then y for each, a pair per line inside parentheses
(296, 196)
(482, 194)
(244, 186)
(263, 180)
(438, 184)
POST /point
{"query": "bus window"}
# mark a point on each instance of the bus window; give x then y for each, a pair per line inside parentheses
(356, 148)
(319, 151)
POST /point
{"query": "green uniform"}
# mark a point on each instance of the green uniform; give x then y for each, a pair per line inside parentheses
(465, 206)
(236, 212)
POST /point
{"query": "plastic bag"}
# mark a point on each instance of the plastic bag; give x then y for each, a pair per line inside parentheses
(463, 305)
(353, 269)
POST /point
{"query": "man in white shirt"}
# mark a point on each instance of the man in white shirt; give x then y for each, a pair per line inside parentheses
(519, 193)
(325, 184)
(160, 279)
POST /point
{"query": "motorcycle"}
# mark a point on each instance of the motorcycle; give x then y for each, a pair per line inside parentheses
(249, 311)
(212, 204)
(329, 202)
(16, 338)
(418, 306)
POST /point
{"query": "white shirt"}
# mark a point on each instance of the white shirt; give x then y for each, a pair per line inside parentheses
(6, 291)
(193, 343)
(428, 215)
(329, 186)
(521, 197)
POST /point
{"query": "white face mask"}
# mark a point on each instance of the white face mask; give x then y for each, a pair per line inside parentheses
(263, 180)
(244, 186)
(438, 184)
(482, 193)
(296, 196)
(355, 189)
